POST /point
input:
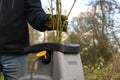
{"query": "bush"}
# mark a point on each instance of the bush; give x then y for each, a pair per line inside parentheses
(102, 70)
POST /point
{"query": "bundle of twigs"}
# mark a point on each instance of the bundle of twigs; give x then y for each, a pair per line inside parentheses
(58, 11)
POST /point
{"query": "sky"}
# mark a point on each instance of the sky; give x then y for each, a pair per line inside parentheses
(66, 5)
(79, 6)
(77, 9)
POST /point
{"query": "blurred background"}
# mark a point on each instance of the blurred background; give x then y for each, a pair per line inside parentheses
(95, 25)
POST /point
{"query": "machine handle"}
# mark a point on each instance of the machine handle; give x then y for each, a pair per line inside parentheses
(65, 48)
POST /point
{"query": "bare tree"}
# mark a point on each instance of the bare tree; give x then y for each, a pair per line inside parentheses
(94, 30)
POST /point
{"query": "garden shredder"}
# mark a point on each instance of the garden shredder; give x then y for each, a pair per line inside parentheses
(56, 62)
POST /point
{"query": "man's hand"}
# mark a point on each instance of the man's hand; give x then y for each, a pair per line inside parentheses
(52, 23)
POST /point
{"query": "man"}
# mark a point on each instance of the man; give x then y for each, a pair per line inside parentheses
(14, 37)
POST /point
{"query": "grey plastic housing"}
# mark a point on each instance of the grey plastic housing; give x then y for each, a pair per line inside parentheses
(63, 66)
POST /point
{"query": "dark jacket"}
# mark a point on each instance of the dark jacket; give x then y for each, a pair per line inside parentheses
(14, 16)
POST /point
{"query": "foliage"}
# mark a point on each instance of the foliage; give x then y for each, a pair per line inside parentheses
(1, 76)
(102, 71)
(95, 32)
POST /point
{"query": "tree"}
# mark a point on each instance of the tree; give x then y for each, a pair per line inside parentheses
(94, 30)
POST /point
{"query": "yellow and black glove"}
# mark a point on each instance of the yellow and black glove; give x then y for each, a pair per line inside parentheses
(52, 23)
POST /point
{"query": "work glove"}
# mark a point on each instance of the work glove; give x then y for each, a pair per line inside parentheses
(51, 23)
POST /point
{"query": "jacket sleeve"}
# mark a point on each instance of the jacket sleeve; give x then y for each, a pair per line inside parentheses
(35, 15)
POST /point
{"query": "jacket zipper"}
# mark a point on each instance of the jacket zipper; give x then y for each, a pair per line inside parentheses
(1, 5)
(13, 1)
